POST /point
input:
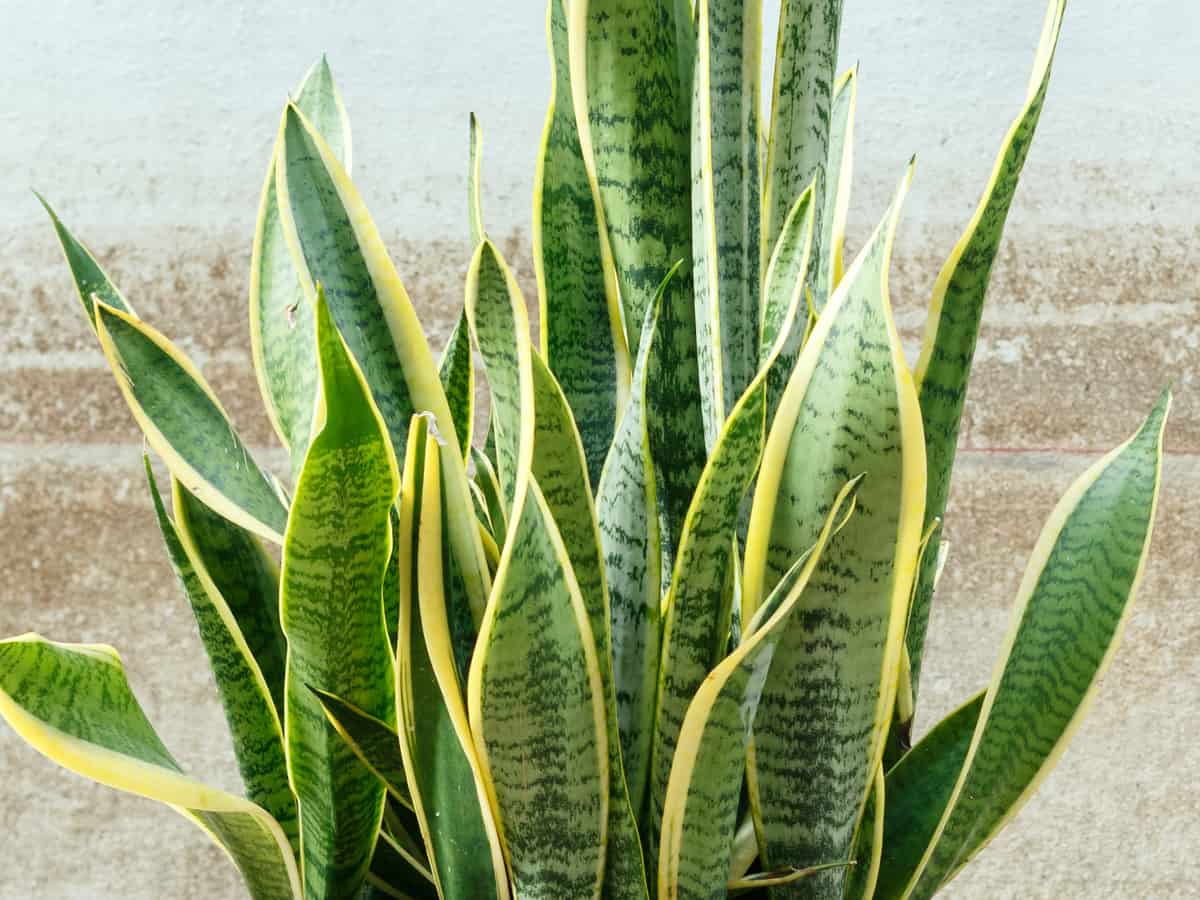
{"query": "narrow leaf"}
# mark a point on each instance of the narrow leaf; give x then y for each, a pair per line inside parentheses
(457, 373)
(73, 704)
(955, 312)
(839, 173)
(335, 554)
(91, 281)
(474, 183)
(186, 426)
(373, 741)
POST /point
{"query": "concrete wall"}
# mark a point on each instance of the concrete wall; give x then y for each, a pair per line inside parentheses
(150, 130)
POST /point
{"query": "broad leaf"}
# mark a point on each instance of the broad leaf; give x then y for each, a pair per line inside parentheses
(186, 425)
(254, 723)
(850, 406)
(281, 316)
(582, 338)
(335, 553)
(73, 704)
(955, 312)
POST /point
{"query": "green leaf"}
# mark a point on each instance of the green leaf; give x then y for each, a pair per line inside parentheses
(839, 174)
(373, 741)
(577, 288)
(443, 773)
(560, 469)
(488, 483)
(281, 317)
(73, 704)
(91, 281)
(334, 556)
(850, 406)
(246, 578)
(538, 714)
(627, 511)
(474, 183)
(186, 426)
(726, 202)
(500, 325)
(868, 844)
(705, 786)
(944, 367)
(397, 873)
(918, 789)
(333, 241)
(457, 373)
(254, 724)
(798, 141)
(1071, 608)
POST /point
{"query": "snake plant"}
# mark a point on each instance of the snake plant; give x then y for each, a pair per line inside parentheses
(659, 632)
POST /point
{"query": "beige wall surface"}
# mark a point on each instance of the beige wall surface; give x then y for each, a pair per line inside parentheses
(151, 132)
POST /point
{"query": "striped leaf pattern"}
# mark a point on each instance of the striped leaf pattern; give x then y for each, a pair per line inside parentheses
(538, 714)
(726, 202)
(1070, 611)
(802, 91)
(281, 317)
(836, 202)
(955, 312)
(577, 289)
(457, 373)
(850, 406)
(185, 424)
(373, 741)
(700, 813)
(73, 704)
(444, 777)
(334, 242)
(91, 281)
(335, 552)
(254, 722)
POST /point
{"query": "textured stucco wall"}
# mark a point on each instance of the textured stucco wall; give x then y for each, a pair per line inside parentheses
(150, 130)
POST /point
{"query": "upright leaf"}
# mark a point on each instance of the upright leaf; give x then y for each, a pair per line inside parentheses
(254, 724)
(281, 317)
(334, 242)
(582, 338)
(849, 407)
(475, 183)
(839, 173)
(726, 202)
(798, 141)
(444, 775)
(335, 553)
(1071, 607)
(91, 281)
(457, 373)
(186, 425)
(700, 813)
(537, 713)
(955, 312)
(73, 704)
(373, 741)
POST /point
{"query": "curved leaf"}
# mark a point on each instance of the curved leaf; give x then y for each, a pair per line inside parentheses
(254, 724)
(373, 741)
(72, 703)
(335, 553)
(186, 426)
(944, 367)
(577, 288)
(850, 406)
(91, 281)
(281, 317)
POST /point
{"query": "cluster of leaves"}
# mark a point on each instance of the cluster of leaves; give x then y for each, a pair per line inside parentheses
(660, 633)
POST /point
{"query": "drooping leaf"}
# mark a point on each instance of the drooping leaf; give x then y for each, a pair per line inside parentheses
(798, 140)
(334, 242)
(1072, 604)
(537, 713)
(443, 773)
(91, 281)
(700, 812)
(373, 741)
(560, 469)
(254, 723)
(850, 406)
(582, 338)
(73, 704)
(186, 426)
(246, 578)
(726, 203)
(955, 312)
(281, 317)
(335, 555)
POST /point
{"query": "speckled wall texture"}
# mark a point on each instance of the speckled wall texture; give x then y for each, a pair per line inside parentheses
(150, 131)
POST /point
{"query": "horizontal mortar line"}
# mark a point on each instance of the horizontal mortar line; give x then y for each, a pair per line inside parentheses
(93, 360)
(124, 454)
